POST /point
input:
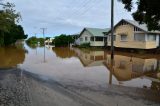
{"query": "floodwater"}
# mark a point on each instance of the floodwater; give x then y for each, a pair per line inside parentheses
(84, 67)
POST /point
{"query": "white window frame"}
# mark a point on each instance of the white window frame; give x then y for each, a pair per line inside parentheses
(154, 40)
(86, 39)
(123, 40)
(138, 40)
(81, 39)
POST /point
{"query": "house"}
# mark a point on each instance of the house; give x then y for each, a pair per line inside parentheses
(49, 41)
(131, 34)
(94, 36)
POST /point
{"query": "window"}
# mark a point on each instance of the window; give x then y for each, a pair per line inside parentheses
(151, 37)
(86, 38)
(139, 37)
(137, 67)
(124, 23)
(109, 37)
(81, 39)
(123, 37)
(122, 64)
(136, 29)
(99, 39)
(92, 38)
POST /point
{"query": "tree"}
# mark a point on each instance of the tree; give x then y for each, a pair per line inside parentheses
(148, 12)
(10, 32)
(32, 40)
(63, 40)
(16, 32)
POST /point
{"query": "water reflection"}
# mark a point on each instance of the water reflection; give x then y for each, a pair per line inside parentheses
(32, 46)
(90, 57)
(126, 68)
(86, 67)
(123, 67)
(64, 52)
(11, 56)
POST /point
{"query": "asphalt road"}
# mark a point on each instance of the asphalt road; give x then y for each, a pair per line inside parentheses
(21, 88)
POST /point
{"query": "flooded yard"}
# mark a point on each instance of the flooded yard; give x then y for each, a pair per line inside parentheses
(86, 77)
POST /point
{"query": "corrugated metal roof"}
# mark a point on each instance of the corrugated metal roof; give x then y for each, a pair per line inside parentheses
(141, 26)
(97, 31)
(136, 24)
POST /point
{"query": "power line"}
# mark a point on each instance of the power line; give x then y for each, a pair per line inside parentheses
(86, 9)
(76, 13)
(89, 8)
(75, 10)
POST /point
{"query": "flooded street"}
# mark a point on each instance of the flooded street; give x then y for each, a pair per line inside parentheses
(79, 77)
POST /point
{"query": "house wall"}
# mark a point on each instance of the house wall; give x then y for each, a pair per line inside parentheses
(130, 42)
(82, 40)
(97, 43)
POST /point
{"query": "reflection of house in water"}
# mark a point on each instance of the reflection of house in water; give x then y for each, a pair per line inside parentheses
(64, 53)
(126, 68)
(90, 57)
(11, 56)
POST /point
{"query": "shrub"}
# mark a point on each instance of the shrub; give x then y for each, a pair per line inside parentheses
(63, 40)
(85, 45)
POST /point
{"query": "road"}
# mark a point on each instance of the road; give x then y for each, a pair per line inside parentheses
(21, 88)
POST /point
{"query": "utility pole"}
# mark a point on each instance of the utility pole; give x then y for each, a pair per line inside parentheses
(43, 30)
(37, 43)
(112, 29)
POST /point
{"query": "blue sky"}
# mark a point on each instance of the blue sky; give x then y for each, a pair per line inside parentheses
(66, 16)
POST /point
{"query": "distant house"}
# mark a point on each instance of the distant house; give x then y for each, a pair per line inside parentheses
(49, 41)
(131, 34)
(94, 36)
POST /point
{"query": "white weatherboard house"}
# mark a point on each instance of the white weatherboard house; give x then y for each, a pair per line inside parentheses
(94, 36)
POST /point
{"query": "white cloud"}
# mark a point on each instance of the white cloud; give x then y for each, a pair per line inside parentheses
(66, 16)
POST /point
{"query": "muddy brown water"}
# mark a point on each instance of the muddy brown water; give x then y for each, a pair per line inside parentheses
(85, 68)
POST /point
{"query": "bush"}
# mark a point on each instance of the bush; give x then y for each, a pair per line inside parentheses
(85, 45)
(63, 40)
(34, 41)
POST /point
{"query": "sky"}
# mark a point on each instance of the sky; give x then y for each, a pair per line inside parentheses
(67, 16)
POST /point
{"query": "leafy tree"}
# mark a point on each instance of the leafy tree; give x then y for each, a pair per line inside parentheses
(32, 40)
(47, 38)
(41, 41)
(148, 11)
(16, 32)
(10, 32)
(63, 40)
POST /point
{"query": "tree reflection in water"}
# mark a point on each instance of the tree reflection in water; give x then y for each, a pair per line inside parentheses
(11, 56)
(64, 52)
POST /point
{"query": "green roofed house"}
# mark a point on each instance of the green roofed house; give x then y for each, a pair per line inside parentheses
(94, 36)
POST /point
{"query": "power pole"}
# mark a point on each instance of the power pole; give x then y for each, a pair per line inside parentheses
(112, 29)
(43, 30)
(37, 43)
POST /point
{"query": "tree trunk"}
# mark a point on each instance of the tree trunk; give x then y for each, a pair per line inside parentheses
(1, 38)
